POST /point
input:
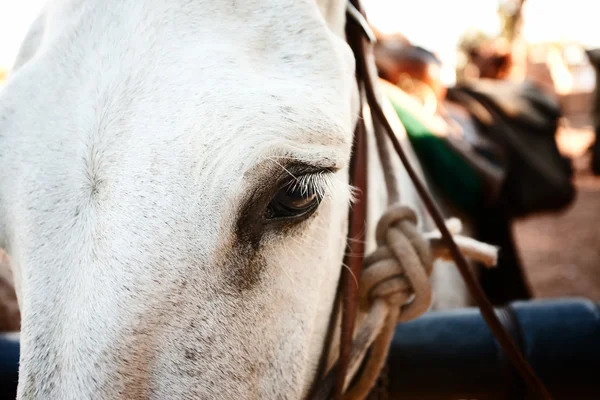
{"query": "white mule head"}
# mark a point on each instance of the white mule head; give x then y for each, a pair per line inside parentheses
(174, 197)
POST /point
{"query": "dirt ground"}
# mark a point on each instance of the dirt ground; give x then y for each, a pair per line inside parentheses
(561, 252)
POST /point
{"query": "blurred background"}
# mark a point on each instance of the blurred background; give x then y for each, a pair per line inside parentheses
(544, 41)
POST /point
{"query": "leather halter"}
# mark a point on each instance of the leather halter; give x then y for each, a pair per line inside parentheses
(360, 37)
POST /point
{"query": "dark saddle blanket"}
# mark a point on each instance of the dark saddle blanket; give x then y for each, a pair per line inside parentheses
(520, 120)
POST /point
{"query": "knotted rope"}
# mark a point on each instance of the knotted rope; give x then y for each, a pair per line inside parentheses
(395, 288)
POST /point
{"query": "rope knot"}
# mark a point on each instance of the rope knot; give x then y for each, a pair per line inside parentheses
(395, 284)
(397, 272)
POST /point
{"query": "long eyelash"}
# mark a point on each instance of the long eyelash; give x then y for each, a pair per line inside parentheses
(322, 183)
(311, 183)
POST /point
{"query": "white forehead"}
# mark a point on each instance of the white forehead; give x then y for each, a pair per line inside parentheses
(250, 70)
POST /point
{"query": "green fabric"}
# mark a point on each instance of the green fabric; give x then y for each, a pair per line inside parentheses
(451, 173)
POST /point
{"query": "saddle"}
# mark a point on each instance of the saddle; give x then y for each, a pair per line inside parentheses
(502, 153)
(521, 122)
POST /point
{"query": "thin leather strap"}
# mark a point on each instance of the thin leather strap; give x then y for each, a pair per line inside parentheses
(356, 251)
(517, 388)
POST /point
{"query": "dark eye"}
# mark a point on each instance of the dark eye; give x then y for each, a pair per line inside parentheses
(293, 201)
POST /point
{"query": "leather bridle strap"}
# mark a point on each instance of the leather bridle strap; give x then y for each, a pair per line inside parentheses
(357, 41)
(332, 384)
(356, 249)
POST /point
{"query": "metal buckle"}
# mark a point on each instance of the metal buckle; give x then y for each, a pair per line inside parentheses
(361, 21)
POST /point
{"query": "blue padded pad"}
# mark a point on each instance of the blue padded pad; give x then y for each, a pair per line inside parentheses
(454, 352)
(9, 367)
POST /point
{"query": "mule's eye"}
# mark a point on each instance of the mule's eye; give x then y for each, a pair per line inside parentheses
(293, 201)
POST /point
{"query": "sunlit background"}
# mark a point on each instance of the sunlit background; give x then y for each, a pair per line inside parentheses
(437, 24)
(15, 18)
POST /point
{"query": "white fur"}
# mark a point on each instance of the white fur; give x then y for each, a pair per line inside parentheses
(131, 133)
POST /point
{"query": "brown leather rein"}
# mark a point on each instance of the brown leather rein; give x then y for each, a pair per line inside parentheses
(360, 38)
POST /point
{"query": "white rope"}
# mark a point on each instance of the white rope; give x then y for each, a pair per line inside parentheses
(395, 286)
